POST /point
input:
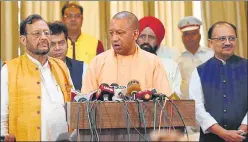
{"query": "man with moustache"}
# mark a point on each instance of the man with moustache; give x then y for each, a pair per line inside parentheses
(34, 88)
(81, 46)
(125, 61)
(194, 55)
(158, 29)
(219, 88)
(151, 34)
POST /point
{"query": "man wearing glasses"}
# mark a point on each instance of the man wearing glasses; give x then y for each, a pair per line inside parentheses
(34, 88)
(81, 46)
(219, 88)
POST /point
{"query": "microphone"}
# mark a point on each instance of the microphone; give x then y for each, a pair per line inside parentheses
(144, 95)
(114, 85)
(105, 92)
(157, 95)
(132, 88)
(79, 98)
(84, 97)
(119, 92)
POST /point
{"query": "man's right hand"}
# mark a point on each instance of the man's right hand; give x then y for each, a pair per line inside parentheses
(233, 136)
(10, 138)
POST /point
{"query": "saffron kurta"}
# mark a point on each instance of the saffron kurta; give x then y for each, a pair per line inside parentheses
(109, 67)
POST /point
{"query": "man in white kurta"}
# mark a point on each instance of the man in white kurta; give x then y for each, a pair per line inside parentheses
(194, 54)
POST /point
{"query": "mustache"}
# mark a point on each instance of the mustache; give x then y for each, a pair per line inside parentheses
(149, 48)
(227, 46)
(44, 41)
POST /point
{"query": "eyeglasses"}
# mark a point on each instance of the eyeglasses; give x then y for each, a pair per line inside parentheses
(223, 39)
(37, 34)
(70, 16)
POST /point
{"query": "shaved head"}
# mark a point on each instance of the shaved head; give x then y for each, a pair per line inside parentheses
(123, 33)
(130, 17)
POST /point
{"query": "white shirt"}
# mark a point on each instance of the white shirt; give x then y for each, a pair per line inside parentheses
(168, 52)
(83, 75)
(202, 116)
(187, 62)
(173, 74)
(53, 117)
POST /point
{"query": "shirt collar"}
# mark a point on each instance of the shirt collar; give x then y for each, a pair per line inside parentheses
(37, 62)
(200, 49)
(223, 62)
(231, 59)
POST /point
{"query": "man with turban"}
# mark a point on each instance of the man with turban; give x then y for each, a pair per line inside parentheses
(151, 34)
(158, 29)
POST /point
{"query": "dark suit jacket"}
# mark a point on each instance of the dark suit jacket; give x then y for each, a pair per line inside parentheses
(76, 71)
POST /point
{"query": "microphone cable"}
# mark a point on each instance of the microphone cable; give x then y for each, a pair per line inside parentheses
(165, 96)
(94, 123)
(142, 116)
(88, 116)
(78, 116)
(156, 101)
(155, 113)
(129, 119)
(166, 116)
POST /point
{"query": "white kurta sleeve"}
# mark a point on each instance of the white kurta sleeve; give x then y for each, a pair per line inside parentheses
(195, 92)
(4, 100)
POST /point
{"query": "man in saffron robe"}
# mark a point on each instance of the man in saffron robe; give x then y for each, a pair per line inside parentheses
(125, 61)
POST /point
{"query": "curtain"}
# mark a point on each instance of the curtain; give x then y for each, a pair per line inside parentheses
(170, 13)
(230, 11)
(49, 10)
(97, 15)
(9, 30)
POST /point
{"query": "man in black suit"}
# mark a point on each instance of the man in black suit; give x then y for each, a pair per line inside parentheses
(59, 50)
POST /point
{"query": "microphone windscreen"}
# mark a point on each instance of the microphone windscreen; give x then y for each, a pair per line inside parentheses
(104, 89)
(120, 92)
(153, 91)
(133, 85)
(144, 95)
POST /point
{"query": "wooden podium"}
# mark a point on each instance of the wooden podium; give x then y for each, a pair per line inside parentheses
(111, 119)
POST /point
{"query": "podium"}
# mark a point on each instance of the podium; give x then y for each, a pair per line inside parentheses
(112, 122)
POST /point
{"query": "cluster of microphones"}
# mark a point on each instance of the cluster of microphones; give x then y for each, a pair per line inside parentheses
(115, 92)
